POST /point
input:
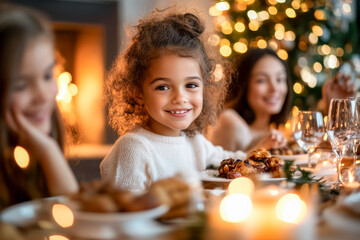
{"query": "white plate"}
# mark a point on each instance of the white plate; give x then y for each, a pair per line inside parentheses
(341, 220)
(86, 225)
(29, 213)
(119, 217)
(210, 176)
(299, 159)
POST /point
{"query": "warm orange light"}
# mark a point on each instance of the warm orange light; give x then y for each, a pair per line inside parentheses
(317, 30)
(226, 28)
(241, 185)
(213, 11)
(272, 10)
(290, 13)
(240, 27)
(290, 208)
(57, 237)
(240, 47)
(262, 43)
(319, 14)
(21, 157)
(63, 215)
(225, 51)
(282, 54)
(218, 72)
(235, 207)
(222, 6)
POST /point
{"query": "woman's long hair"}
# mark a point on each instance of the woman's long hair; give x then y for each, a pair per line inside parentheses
(238, 91)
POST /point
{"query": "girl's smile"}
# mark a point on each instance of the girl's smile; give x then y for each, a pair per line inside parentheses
(172, 94)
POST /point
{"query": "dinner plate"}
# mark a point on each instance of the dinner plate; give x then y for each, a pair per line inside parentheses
(29, 213)
(119, 217)
(341, 219)
(86, 225)
(210, 175)
(299, 159)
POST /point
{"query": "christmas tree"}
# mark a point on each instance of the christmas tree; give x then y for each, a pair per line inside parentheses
(316, 38)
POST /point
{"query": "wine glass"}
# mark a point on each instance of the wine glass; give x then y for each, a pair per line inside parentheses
(356, 120)
(341, 129)
(309, 131)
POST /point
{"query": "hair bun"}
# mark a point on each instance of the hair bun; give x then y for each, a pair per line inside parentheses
(193, 24)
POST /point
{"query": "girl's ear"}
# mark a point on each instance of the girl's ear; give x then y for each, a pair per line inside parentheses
(138, 96)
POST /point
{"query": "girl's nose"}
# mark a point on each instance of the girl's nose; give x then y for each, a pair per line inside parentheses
(179, 97)
(41, 92)
(273, 84)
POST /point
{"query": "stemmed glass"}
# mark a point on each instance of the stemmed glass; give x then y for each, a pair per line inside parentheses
(309, 131)
(356, 120)
(341, 129)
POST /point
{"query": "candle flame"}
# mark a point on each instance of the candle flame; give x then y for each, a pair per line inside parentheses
(63, 215)
(235, 207)
(21, 157)
(290, 208)
(351, 177)
(241, 185)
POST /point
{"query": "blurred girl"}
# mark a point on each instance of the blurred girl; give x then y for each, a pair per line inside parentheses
(29, 113)
(163, 94)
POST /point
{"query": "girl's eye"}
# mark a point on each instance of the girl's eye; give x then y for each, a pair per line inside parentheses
(260, 80)
(191, 85)
(49, 76)
(281, 79)
(162, 88)
(20, 86)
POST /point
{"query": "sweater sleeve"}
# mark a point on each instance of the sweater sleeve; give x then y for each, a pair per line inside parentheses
(127, 164)
(215, 154)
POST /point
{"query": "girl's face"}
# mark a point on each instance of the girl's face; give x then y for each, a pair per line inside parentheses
(33, 94)
(172, 94)
(267, 86)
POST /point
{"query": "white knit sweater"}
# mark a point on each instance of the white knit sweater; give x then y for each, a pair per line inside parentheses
(141, 157)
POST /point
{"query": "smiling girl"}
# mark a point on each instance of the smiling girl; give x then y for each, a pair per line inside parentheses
(163, 93)
(29, 113)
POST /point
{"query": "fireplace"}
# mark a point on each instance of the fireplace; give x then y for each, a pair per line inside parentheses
(86, 36)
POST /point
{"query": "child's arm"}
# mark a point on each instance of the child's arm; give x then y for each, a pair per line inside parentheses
(127, 165)
(213, 155)
(59, 176)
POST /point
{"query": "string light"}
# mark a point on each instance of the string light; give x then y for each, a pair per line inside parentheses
(298, 88)
(240, 27)
(272, 10)
(240, 47)
(225, 50)
(290, 13)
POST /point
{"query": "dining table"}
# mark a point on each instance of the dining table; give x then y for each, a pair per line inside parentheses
(329, 220)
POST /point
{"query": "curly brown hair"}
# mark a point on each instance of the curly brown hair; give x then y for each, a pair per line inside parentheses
(158, 34)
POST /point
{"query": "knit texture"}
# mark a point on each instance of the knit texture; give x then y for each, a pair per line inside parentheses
(141, 157)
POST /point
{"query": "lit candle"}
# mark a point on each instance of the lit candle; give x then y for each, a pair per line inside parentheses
(351, 184)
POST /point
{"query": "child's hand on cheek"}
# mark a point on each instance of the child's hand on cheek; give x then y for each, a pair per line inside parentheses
(30, 135)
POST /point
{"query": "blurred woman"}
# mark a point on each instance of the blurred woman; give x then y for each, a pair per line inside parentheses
(259, 95)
